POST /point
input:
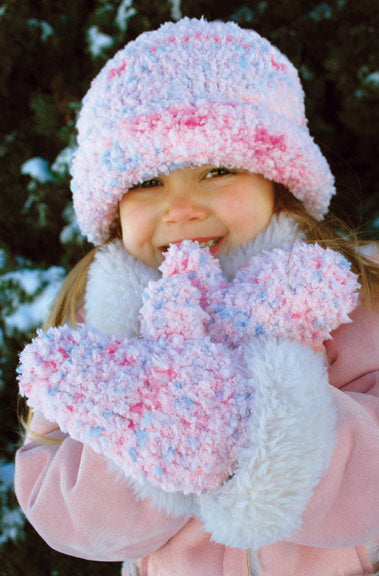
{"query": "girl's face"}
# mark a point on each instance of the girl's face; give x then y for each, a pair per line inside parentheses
(219, 207)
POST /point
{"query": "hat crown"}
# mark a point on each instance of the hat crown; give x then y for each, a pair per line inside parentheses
(194, 61)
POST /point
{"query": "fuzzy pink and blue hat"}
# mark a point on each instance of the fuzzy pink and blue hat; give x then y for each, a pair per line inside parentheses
(190, 93)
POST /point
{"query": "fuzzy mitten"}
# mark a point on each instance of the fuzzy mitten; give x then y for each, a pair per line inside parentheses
(301, 292)
(168, 408)
(173, 407)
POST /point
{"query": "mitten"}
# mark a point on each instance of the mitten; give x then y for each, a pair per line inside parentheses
(169, 407)
(300, 292)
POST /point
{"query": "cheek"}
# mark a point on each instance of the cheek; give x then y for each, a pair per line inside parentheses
(248, 212)
(248, 208)
(138, 225)
(132, 223)
(233, 205)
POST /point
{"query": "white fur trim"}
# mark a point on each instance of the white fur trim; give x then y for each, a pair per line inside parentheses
(290, 444)
(116, 282)
(281, 230)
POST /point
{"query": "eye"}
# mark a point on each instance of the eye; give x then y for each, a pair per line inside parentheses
(153, 183)
(219, 171)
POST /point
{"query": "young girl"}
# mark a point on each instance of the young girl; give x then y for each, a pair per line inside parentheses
(196, 132)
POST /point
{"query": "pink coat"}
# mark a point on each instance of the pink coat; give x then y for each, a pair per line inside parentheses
(100, 518)
(82, 507)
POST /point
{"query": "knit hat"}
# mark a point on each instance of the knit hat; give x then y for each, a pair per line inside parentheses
(191, 93)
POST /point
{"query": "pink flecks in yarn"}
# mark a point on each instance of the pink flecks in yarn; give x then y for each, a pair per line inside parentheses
(113, 72)
(277, 65)
(265, 141)
(193, 121)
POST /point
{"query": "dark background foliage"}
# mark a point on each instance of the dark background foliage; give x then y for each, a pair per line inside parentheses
(47, 62)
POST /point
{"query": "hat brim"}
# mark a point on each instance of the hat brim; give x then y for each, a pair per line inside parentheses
(240, 135)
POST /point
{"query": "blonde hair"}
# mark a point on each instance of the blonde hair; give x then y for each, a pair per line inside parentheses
(329, 233)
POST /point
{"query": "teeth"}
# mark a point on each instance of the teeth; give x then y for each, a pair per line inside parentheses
(208, 243)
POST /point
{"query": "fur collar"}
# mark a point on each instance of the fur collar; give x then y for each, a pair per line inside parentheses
(116, 280)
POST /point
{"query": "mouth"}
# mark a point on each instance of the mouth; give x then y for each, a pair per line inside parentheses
(211, 243)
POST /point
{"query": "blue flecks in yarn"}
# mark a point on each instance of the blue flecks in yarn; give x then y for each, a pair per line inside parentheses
(259, 330)
(343, 262)
(106, 160)
(318, 275)
(158, 471)
(241, 320)
(96, 431)
(147, 419)
(114, 183)
(226, 314)
(133, 161)
(53, 391)
(133, 454)
(241, 397)
(141, 438)
(184, 400)
(169, 454)
(107, 414)
(261, 295)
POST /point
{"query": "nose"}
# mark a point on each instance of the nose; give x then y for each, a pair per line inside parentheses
(183, 205)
